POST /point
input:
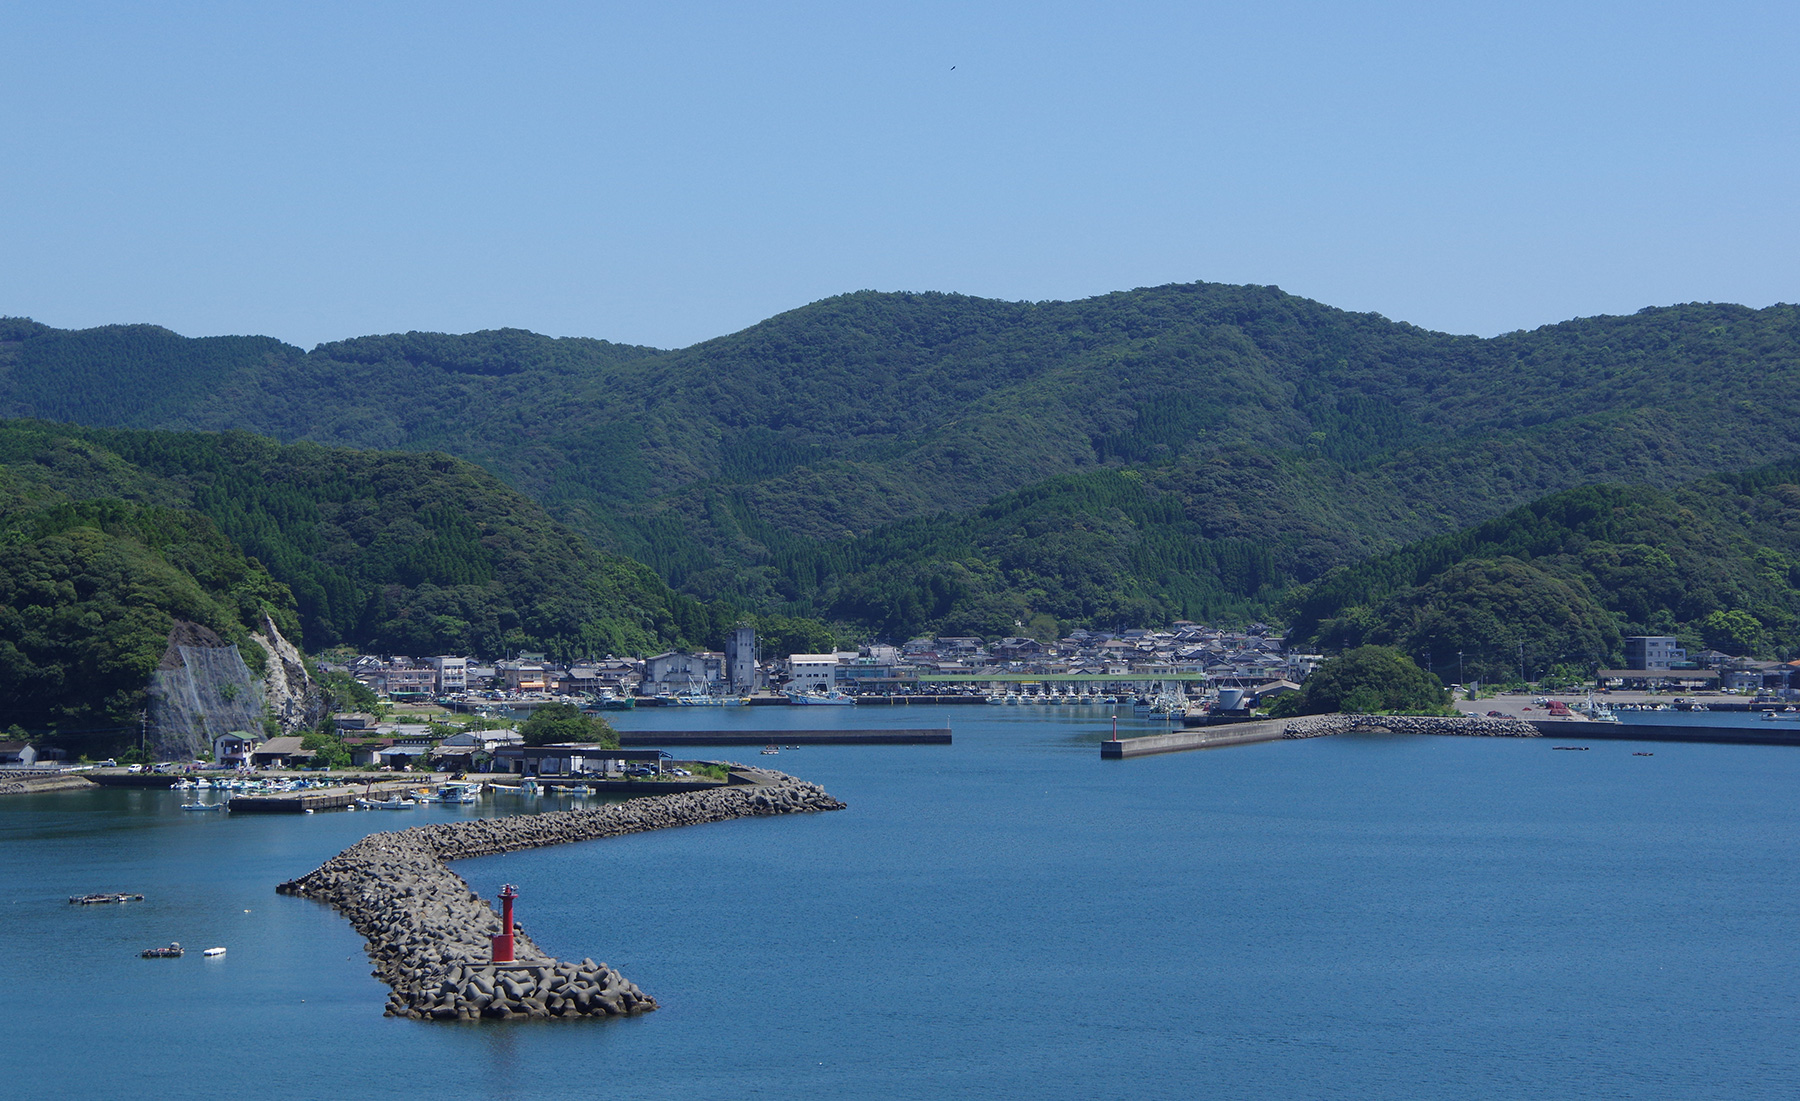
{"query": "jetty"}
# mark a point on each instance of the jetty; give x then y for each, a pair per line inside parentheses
(1320, 726)
(436, 943)
(1761, 734)
(1203, 737)
(643, 739)
(332, 798)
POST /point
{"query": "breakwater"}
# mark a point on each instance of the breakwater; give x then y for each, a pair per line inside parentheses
(1311, 726)
(29, 785)
(1318, 726)
(629, 739)
(427, 932)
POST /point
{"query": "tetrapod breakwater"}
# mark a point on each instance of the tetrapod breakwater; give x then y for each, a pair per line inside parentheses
(428, 933)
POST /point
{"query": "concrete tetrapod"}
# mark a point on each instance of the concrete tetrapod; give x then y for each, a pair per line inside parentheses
(427, 932)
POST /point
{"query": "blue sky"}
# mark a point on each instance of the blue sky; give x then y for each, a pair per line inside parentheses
(665, 173)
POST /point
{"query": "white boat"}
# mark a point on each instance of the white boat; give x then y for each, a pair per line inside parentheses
(1781, 716)
(457, 792)
(213, 953)
(400, 803)
(833, 698)
(203, 806)
(770, 750)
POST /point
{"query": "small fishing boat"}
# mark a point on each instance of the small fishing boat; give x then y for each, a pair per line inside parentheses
(833, 698)
(203, 806)
(398, 803)
(769, 750)
(458, 792)
(172, 952)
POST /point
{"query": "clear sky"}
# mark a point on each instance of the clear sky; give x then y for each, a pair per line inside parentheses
(661, 173)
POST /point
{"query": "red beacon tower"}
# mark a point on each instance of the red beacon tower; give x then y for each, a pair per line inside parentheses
(503, 944)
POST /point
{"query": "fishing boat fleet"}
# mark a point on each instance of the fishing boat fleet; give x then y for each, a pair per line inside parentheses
(455, 791)
(1052, 696)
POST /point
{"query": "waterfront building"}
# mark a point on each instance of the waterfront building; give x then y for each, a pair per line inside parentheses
(1653, 652)
(740, 661)
(810, 672)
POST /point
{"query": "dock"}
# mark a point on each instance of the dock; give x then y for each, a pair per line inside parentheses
(299, 802)
(650, 739)
(1204, 737)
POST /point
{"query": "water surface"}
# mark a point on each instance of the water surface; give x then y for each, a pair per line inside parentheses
(1006, 917)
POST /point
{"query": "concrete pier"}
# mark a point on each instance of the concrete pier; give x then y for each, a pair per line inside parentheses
(1773, 733)
(1204, 737)
(637, 739)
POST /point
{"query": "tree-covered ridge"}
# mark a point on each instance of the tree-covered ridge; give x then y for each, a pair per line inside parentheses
(1715, 562)
(89, 592)
(869, 408)
(393, 551)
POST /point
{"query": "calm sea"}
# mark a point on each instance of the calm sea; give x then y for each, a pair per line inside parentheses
(1007, 917)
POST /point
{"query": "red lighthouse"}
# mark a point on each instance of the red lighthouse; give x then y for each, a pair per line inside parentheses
(503, 944)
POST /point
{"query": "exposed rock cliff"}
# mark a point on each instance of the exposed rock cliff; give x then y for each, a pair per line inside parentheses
(288, 689)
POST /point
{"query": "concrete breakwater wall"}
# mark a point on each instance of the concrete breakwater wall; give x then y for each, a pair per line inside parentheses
(1319, 726)
(428, 933)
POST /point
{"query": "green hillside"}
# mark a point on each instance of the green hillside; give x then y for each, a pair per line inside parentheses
(89, 591)
(389, 551)
(771, 467)
(1715, 562)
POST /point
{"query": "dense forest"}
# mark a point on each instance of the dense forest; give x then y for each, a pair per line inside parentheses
(1715, 562)
(1321, 435)
(89, 591)
(107, 537)
(892, 464)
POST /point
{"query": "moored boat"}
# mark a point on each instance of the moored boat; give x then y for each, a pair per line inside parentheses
(833, 698)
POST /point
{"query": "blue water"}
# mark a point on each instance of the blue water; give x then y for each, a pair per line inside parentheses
(1006, 917)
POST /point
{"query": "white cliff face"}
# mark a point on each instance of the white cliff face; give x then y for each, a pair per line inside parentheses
(287, 688)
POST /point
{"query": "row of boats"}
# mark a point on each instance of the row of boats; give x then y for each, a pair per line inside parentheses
(833, 698)
(1051, 698)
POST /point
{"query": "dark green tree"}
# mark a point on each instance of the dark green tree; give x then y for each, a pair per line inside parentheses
(1371, 678)
(563, 722)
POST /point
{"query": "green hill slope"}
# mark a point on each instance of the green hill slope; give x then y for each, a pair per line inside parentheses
(392, 551)
(1320, 435)
(1715, 562)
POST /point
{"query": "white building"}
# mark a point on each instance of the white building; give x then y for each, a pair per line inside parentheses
(452, 673)
(812, 672)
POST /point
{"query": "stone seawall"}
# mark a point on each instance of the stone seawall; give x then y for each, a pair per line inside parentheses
(1319, 726)
(428, 933)
(32, 785)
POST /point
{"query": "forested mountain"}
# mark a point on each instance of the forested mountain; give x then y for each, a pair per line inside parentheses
(109, 535)
(1268, 438)
(1715, 562)
(89, 591)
